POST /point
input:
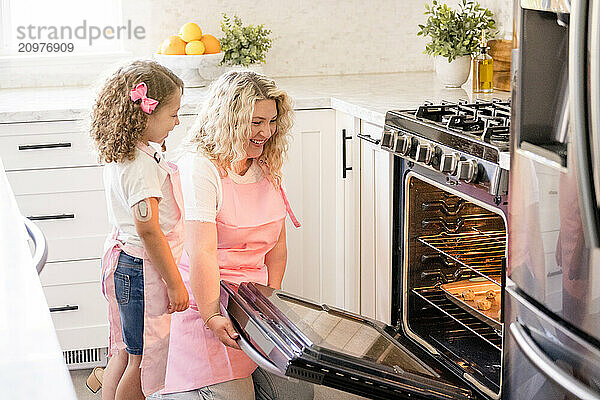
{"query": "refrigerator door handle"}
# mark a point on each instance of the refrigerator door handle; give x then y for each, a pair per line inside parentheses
(544, 364)
(595, 94)
(578, 96)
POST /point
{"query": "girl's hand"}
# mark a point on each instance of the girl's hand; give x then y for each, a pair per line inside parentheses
(223, 329)
(179, 299)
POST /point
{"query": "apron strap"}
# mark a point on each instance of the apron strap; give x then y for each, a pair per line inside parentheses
(289, 208)
(155, 155)
(277, 182)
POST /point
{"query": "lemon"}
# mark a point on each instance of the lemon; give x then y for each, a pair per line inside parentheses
(190, 32)
(194, 47)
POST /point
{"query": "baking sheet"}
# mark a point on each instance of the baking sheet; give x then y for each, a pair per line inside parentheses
(479, 286)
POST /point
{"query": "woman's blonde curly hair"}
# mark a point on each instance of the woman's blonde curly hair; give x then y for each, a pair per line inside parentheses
(223, 126)
(117, 123)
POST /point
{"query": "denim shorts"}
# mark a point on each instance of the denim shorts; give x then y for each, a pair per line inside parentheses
(129, 290)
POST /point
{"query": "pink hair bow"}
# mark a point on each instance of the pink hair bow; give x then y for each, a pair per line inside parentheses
(139, 92)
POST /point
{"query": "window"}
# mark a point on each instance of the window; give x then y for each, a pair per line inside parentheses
(86, 26)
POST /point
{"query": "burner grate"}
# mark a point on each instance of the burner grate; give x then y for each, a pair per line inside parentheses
(487, 121)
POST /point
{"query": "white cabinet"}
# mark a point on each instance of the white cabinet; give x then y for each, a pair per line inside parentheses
(322, 254)
(309, 178)
(348, 211)
(342, 253)
(376, 172)
(57, 182)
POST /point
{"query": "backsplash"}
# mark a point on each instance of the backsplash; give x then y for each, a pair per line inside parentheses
(310, 37)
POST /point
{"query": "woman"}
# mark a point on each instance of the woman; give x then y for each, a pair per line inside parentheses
(235, 210)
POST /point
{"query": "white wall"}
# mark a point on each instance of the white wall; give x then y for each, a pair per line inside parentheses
(315, 37)
(310, 37)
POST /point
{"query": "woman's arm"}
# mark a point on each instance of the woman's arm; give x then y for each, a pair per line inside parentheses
(157, 247)
(201, 245)
(276, 260)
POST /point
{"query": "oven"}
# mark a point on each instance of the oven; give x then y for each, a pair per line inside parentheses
(449, 251)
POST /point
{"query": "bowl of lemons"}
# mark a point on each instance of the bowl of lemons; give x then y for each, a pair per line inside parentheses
(191, 55)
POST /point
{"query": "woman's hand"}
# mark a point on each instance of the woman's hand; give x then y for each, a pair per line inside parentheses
(223, 329)
(179, 298)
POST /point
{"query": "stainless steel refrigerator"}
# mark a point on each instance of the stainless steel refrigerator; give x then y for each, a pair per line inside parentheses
(552, 307)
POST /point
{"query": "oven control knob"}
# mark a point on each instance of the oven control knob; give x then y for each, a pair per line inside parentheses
(402, 145)
(387, 138)
(449, 163)
(424, 153)
(468, 171)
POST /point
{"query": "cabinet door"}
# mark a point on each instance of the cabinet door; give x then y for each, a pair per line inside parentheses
(375, 228)
(310, 182)
(348, 212)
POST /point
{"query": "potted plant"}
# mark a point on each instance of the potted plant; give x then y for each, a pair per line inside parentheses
(244, 45)
(455, 36)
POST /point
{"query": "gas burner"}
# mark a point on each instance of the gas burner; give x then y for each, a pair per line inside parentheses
(487, 121)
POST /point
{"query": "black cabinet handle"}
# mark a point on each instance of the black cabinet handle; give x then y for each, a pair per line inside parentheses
(48, 217)
(64, 308)
(44, 146)
(368, 138)
(344, 168)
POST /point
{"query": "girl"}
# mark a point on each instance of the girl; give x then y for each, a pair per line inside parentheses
(235, 230)
(138, 105)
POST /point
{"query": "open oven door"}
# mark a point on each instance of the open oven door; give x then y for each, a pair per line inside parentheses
(293, 337)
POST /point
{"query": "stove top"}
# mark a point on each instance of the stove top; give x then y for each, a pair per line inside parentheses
(484, 121)
(480, 128)
(462, 140)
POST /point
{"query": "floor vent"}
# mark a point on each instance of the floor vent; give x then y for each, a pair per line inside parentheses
(86, 358)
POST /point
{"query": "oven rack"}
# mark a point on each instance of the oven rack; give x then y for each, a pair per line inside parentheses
(474, 249)
(438, 300)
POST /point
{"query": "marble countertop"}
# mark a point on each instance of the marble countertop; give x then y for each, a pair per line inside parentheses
(366, 96)
(32, 365)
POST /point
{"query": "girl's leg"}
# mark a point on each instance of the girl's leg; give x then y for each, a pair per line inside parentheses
(130, 386)
(112, 374)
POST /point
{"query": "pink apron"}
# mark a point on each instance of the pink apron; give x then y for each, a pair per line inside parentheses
(248, 227)
(156, 319)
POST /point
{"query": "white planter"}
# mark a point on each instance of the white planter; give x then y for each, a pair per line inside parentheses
(455, 73)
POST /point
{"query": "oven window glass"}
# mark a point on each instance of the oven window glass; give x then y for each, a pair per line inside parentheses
(344, 334)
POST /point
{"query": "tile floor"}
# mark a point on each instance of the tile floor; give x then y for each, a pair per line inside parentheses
(83, 393)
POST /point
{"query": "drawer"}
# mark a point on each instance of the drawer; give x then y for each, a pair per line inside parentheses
(62, 180)
(89, 337)
(75, 224)
(45, 145)
(77, 305)
(71, 272)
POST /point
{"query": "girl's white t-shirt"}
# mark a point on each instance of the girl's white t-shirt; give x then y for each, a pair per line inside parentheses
(201, 185)
(131, 181)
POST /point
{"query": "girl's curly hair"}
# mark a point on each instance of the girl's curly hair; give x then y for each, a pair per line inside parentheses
(117, 123)
(224, 123)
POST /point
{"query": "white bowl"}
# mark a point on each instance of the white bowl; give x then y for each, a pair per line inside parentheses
(194, 70)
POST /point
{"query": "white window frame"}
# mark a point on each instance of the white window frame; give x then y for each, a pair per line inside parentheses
(56, 60)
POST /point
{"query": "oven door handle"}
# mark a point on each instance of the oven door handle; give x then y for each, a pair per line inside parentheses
(254, 354)
(544, 364)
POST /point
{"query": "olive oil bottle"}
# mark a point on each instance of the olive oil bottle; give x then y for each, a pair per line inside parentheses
(483, 69)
